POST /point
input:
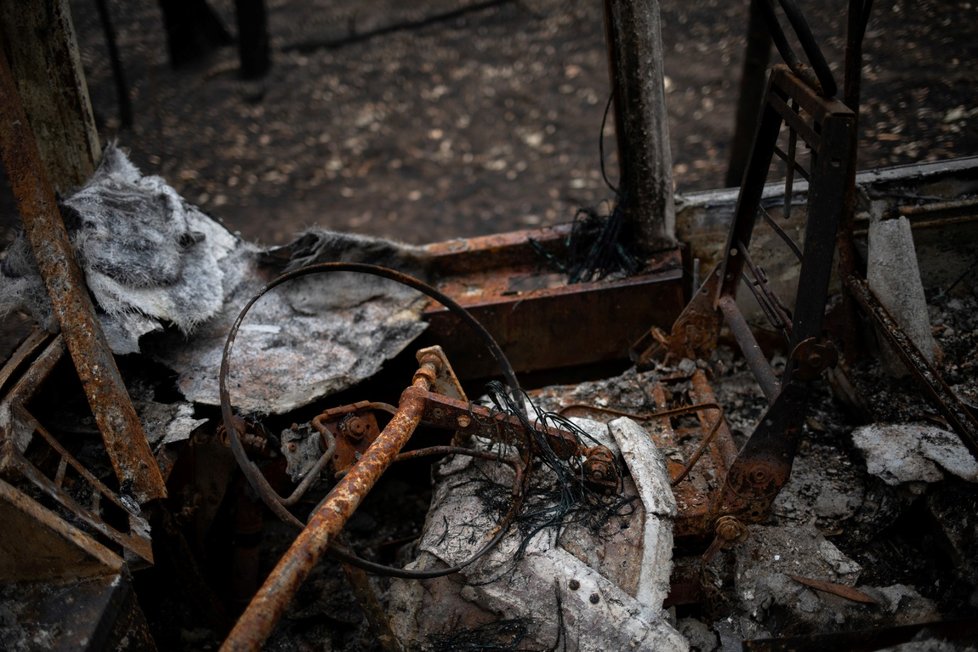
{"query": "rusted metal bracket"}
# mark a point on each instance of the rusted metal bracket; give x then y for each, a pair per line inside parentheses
(114, 413)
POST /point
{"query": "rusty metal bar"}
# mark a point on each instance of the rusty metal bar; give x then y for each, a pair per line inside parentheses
(751, 95)
(272, 599)
(957, 414)
(723, 450)
(758, 364)
(641, 121)
(121, 430)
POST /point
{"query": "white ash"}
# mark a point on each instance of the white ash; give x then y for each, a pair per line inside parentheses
(914, 452)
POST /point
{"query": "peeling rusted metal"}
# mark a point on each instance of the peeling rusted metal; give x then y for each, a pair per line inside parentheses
(271, 601)
(121, 430)
(541, 321)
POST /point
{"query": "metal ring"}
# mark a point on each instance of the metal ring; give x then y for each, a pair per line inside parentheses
(258, 481)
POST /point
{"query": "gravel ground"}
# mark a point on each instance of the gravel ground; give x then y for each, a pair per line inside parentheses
(486, 122)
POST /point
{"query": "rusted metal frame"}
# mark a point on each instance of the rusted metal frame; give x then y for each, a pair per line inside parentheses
(723, 450)
(751, 93)
(792, 167)
(768, 301)
(792, 163)
(764, 463)
(553, 327)
(793, 118)
(25, 352)
(959, 417)
(114, 413)
(765, 305)
(826, 206)
(781, 233)
(38, 371)
(641, 126)
(12, 460)
(751, 191)
(822, 80)
(35, 519)
(269, 604)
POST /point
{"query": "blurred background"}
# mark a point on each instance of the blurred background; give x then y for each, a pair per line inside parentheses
(432, 120)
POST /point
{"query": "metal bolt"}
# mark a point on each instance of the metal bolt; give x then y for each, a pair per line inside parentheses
(463, 421)
(729, 528)
(595, 598)
(574, 585)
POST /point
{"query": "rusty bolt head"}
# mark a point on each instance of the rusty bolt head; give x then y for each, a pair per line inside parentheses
(354, 427)
(729, 528)
(758, 476)
(464, 421)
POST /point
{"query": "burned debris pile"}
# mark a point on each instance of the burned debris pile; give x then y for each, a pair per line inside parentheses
(207, 443)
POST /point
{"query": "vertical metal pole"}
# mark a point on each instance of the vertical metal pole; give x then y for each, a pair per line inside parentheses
(751, 94)
(641, 121)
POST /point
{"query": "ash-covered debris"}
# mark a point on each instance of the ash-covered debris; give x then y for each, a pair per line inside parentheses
(168, 281)
(582, 586)
(914, 452)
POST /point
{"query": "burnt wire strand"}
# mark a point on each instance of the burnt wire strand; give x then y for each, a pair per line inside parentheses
(568, 498)
(595, 247)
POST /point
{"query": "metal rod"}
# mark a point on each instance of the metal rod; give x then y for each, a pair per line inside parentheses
(272, 599)
(954, 410)
(751, 349)
(781, 232)
(751, 94)
(121, 430)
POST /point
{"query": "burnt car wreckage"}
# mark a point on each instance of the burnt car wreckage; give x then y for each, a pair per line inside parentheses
(529, 541)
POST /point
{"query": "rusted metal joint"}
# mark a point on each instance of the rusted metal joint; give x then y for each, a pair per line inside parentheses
(812, 356)
(730, 530)
(600, 470)
(251, 439)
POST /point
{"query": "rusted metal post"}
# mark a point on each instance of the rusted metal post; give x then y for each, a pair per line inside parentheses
(751, 95)
(641, 121)
(121, 430)
(272, 599)
(39, 43)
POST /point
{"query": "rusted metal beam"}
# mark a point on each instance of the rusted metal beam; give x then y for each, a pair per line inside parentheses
(641, 121)
(39, 42)
(272, 599)
(750, 100)
(954, 410)
(121, 430)
(542, 323)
